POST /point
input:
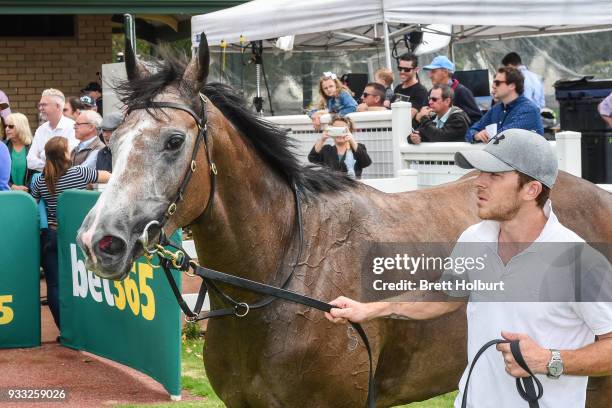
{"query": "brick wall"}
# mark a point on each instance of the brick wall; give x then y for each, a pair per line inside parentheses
(30, 65)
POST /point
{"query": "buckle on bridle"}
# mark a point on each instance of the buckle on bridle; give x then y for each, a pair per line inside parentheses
(244, 306)
(144, 238)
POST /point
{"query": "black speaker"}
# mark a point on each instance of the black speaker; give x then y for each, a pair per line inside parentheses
(356, 83)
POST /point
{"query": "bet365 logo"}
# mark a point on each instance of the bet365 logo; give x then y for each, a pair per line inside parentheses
(137, 295)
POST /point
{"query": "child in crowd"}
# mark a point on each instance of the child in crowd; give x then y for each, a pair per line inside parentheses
(384, 76)
(335, 98)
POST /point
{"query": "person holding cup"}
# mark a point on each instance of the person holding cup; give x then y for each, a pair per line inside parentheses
(345, 155)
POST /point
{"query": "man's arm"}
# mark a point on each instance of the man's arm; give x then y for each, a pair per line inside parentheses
(478, 126)
(594, 359)
(36, 153)
(526, 117)
(348, 309)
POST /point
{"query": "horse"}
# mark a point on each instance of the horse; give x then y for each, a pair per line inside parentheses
(244, 182)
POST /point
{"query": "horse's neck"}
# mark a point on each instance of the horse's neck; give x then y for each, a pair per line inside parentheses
(252, 225)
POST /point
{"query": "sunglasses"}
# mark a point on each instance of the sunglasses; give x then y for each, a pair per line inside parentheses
(434, 98)
(498, 82)
(83, 123)
(10, 126)
(365, 94)
(405, 69)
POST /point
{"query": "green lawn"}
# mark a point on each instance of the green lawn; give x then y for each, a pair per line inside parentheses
(194, 380)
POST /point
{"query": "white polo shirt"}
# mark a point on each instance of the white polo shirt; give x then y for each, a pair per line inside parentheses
(36, 155)
(553, 325)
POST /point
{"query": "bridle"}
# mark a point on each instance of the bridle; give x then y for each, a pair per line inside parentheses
(181, 261)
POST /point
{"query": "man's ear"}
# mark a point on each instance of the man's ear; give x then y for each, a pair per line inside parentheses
(532, 189)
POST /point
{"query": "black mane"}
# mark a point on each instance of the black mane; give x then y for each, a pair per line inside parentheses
(271, 142)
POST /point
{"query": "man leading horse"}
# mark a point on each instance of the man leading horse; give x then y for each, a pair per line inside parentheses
(517, 171)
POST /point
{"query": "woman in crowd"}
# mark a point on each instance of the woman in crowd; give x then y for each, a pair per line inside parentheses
(56, 178)
(335, 98)
(345, 154)
(18, 140)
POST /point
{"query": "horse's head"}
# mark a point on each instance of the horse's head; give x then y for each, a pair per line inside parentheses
(154, 151)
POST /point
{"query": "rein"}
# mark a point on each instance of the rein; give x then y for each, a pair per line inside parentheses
(526, 390)
(181, 261)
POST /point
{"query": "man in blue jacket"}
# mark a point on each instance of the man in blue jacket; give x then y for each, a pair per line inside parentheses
(513, 110)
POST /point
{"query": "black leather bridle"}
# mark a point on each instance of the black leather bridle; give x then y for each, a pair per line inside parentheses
(181, 261)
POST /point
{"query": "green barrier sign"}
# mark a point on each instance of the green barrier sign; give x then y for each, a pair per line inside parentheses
(135, 321)
(19, 271)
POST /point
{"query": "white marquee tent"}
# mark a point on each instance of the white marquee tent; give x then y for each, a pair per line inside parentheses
(368, 23)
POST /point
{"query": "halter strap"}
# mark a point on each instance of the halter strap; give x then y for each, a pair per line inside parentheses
(201, 122)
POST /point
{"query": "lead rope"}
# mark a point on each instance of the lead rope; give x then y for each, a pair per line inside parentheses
(526, 390)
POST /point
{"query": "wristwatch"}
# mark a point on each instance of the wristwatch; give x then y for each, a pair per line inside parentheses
(555, 365)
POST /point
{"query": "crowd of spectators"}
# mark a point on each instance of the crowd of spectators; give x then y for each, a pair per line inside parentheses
(68, 150)
(448, 112)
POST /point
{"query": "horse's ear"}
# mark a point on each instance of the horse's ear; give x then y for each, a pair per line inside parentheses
(133, 67)
(197, 70)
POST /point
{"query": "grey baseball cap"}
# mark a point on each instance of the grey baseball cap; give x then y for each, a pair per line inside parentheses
(112, 121)
(514, 149)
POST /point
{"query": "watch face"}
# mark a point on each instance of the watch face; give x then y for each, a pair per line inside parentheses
(555, 368)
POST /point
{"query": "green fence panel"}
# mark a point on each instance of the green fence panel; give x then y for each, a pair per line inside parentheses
(19, 271)
(135, 321)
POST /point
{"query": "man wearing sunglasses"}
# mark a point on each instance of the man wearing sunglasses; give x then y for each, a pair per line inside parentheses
(373, 98)
(440, 121)
(514, 111)
(410, 86)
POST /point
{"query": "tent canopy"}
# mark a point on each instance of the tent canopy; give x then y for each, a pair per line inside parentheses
(361, 23)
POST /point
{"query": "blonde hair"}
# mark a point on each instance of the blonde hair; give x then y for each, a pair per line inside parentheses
(349, 122)
(339, 88)
(22, 127)
(57, 95)
(385, 75)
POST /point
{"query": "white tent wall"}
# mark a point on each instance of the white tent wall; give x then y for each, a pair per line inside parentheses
(293, 76)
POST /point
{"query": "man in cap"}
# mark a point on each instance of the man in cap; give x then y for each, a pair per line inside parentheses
(517, 171)
(94, 90)
(88, 103)
(440, 72)
(109, 124)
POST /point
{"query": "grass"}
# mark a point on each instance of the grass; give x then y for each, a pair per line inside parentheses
(195, 381)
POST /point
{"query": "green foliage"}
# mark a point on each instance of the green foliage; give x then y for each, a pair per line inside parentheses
(191, 331)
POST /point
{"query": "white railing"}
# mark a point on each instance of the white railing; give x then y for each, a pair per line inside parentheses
(384, 134)
(374, 130)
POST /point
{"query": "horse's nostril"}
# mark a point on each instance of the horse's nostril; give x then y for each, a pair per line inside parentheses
(111, 245)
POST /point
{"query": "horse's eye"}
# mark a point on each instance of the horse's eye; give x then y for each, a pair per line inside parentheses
(175, 142)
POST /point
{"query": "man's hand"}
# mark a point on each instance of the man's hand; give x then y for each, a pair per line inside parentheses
(482, 136)
(19, 188)
(362, 107)
(348, 309)
(536, 357)
(415, 137)
(425, 111)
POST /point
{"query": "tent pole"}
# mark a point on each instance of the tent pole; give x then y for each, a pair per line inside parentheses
(387, 46)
